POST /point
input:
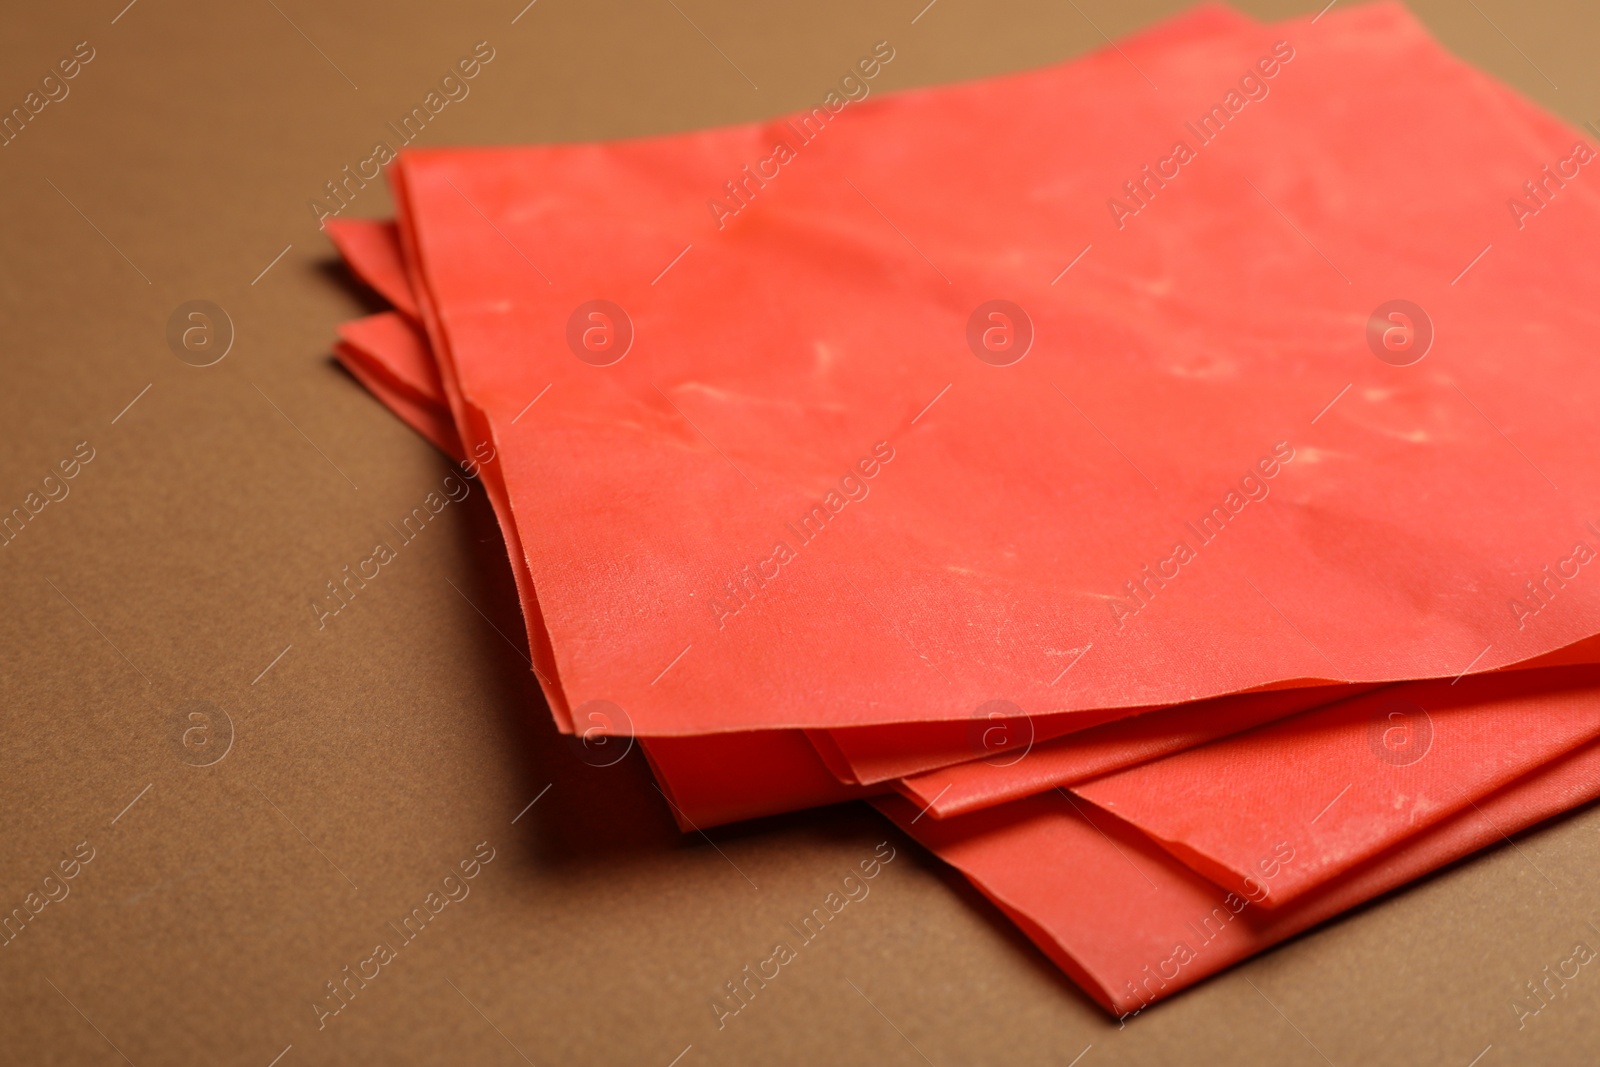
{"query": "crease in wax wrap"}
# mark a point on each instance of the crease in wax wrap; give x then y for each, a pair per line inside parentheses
(1131, 924)
(998, 530)
(1339, 784)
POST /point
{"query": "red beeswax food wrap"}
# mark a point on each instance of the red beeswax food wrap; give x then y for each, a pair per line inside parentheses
(390, 357)
(700, 763)
(836, 731)
(1342, 783)
(1363, 555)
(1132, 925)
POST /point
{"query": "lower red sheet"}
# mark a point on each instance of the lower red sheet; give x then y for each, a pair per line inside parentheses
(1132, 925)
(1340, 784)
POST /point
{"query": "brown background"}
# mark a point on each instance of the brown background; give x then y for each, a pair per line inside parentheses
(376, 753)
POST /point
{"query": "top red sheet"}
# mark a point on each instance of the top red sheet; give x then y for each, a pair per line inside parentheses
(792, 465)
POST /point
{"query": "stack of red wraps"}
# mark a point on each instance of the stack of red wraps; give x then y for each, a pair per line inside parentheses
(1162, 481)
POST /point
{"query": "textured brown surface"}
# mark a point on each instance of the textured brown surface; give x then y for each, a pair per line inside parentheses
(382, 750)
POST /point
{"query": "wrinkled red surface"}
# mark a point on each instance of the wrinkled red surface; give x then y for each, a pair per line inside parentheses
(391, 357)
(1340, 784)
(382, 262)
(1217, 330)
(876, 773)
